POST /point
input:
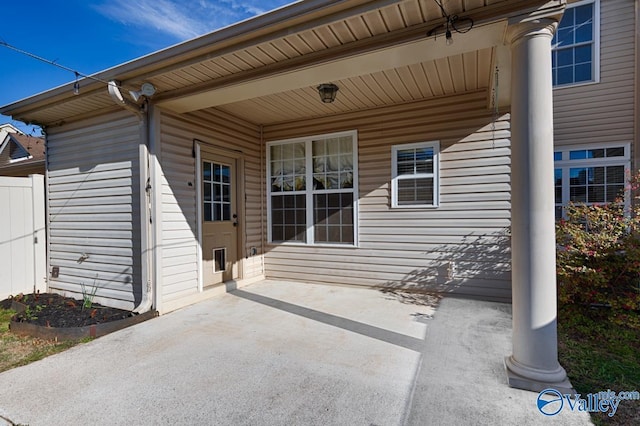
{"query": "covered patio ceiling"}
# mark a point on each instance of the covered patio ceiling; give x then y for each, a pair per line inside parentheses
(378, 52)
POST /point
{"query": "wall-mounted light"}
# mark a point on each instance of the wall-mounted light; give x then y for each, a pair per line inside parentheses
(327, 92)
(147, 90)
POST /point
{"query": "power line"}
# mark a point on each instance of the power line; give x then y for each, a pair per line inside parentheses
(54, 63)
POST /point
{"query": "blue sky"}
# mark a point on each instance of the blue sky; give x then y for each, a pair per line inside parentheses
(92, 35)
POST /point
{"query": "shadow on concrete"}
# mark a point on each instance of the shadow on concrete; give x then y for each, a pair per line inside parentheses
(367, 330)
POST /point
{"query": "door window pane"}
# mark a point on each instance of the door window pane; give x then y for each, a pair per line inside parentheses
(216, 187)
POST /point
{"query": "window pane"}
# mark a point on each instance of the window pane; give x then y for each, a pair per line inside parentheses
(595, 153)
(557, 156)
(288, 167)
(615, 174)
(564, 37)
(406, 168)
(206, 171)
(565, 57)
(332, 163)
(596, 194)
(332, 180)
(405, 155)
(583, 54)
(333, 218)
(578, 194)
(346, 145)
(225, 171)
(288, 217)
(583, 14)
(565, 75)
(583, 73)
(596, 175)
(584, 33)
(614, 191)
(207, 192)
(578, 155)
(346, 180)
(415, 191)
(424, 160)
(578, 176)
(226, 193)
(558, 185)
(558, 212)
(615, 152)
(568, 18)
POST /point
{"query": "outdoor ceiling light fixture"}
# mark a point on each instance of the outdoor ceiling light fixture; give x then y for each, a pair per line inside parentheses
(327, 92)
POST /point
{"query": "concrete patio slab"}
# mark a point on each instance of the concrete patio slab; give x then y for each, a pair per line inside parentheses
(281, 353)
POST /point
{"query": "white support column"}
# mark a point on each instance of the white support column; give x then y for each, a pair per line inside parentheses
(534, 364)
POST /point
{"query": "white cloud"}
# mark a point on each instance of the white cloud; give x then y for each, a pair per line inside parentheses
(184, 19)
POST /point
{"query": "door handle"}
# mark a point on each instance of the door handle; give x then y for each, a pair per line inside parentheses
(235, 219)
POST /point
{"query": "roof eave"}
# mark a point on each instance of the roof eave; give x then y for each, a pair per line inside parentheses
(301, 11)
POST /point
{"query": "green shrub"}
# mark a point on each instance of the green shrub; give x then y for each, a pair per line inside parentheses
(598, 258)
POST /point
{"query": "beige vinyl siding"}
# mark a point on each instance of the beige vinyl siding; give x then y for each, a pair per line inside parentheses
(603, 112)
(94, 208)
(414, 248)
(179, 237)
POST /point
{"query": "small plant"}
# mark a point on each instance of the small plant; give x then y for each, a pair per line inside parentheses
(88, 295)
(29, 314)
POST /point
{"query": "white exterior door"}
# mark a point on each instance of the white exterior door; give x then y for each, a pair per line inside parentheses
(219, 219)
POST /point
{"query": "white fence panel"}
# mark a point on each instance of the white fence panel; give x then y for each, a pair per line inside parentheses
(23, 253)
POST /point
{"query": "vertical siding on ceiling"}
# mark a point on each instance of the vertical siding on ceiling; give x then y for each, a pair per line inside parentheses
(414, 249)
(179, 229)
(93, 208)
(603, 112)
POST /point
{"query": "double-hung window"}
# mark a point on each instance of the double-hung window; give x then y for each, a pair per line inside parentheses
(414, 181)
(575, 53)
(590, 174)
(312, 189)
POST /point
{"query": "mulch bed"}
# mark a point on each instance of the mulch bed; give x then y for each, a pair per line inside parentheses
(54, 310)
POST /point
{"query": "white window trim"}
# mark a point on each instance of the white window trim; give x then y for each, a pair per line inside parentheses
(436, 174)
(17, 160)
(596, 45)
(309, 193)
(565, 164)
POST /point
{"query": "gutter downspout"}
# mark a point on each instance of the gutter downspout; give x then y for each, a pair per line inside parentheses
(142, 112)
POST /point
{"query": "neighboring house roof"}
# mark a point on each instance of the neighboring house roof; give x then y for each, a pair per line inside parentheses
(21, 155)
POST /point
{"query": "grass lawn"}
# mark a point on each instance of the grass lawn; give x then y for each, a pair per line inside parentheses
(16, 350)
(600, 355)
